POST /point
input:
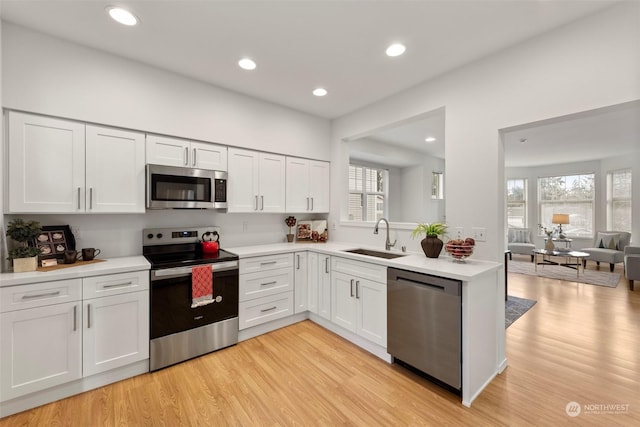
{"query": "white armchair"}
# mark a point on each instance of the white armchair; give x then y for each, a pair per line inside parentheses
(520, 241)
(632, 264)
(608, 247)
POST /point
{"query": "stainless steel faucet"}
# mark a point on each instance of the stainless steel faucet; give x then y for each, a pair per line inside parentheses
(387, 245)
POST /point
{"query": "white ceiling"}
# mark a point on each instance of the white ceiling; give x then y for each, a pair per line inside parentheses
(299, 45)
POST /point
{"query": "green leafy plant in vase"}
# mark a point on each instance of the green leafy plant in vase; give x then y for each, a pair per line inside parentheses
(25, 257)
(431, 244)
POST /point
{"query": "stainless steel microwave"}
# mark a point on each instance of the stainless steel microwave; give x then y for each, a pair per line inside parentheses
(170, 187)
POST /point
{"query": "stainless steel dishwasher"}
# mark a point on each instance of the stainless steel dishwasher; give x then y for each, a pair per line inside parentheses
(424, 318)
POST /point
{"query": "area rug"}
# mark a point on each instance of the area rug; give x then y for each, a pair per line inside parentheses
(515, 307)
(591, 277)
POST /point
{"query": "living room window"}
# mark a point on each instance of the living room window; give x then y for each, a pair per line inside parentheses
(517, 203)
(619, 200)
(568, 194)
(367, 193)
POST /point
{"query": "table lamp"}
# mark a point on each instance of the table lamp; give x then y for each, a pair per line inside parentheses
(560, 219)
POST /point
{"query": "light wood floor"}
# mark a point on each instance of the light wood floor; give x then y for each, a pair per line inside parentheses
(578, 343)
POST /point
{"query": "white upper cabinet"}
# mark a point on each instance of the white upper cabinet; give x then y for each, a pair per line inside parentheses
(256, 181)
(46, 164)
(62, 166)
(307, 185)
(114, 170)
(162, 150)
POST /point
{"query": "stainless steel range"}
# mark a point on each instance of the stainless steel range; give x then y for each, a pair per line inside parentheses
(178, 331)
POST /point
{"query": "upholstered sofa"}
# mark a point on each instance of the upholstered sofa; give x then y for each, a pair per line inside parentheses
(608, 247)
(520, 241)
(632, 264)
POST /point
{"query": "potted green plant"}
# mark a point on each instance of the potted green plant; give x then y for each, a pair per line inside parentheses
(431, 244)
(25, 257)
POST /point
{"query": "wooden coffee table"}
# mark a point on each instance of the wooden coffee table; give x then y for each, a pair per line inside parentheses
(566, 254)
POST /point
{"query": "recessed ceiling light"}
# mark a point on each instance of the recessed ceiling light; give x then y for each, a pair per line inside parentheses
(122, 16)
(396, 49)
(319, 91)
(430, 139)
(247, 64)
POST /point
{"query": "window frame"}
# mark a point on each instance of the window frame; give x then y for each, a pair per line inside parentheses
(591, 202)
(611, 199)
(525, 201)
(364, 194)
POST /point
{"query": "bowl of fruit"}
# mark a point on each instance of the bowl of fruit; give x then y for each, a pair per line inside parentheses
(460, 249)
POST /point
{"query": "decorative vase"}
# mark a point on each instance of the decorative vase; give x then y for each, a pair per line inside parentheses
(548, 244)
(289, 238)
(21, 265)
(432, 246)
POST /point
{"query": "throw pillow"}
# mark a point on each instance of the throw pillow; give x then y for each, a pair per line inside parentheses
(522, 236)
(608, 241)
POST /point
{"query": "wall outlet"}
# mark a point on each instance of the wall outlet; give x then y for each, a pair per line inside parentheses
(458, 232)
(480, 234)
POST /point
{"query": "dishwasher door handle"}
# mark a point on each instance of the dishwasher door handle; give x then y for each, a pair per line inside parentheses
(415, 282)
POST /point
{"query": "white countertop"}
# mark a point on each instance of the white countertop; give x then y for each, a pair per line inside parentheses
(110, 266)
(413, 261)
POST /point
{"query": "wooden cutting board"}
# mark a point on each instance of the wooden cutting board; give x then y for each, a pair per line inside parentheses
(75, 264)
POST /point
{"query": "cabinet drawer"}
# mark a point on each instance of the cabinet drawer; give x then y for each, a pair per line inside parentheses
(375, 272)
(265, 309)
(265, 263)
(114, 284)
(259, 284)
(40, 294)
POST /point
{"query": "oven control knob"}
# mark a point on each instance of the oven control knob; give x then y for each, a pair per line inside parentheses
(159, 235)
(149, 236)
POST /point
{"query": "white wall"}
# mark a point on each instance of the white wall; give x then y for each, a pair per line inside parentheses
(591, 63)
(50, 76)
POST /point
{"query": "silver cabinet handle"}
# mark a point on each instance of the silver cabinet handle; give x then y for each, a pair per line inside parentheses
(78, 198)
(118, 285)
(261, 203)
(268, 309)
(307, 203)
(297, 261)
(48, 294)
(268, 262)
(186, 156)
(88, 316)
(193, 161)
(312, 203)
(326, 265)
(256, 203)
(357, 289)
(75, 318)
(351, 287)
(268, 283)
(90, 197)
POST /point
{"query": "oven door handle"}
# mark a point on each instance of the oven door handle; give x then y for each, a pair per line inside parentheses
(185, 271)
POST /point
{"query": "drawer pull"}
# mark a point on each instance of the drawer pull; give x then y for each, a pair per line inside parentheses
(268, 263)
(268, 283)
(268, 309)
(118, 285)
(75, 318)
(88, 316)
(49, 294)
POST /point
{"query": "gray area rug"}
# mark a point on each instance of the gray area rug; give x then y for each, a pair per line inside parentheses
(591, 277)
(515, 307)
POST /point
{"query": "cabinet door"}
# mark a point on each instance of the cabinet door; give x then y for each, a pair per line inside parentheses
(297, 197)
(272, 183)
(243, 182)
(343, 301)
(39, 348)
(319, 184)
(161, 150)
(115, 331)
(313, 279)
(324, 286)
(115, 175)
(46, 164)
(208, 156)
(301, 289)
(372, 311)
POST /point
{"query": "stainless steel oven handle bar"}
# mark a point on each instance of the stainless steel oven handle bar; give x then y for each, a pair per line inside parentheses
(184, 271)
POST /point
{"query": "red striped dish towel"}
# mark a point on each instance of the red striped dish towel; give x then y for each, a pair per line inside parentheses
(201, 285)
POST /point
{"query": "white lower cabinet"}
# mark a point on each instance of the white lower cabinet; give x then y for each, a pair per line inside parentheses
(324, 286)
(266, 289)
(358, 303)
(50, 336)
(301, 280)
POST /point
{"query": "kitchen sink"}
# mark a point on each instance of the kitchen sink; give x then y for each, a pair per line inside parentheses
(377, 254)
